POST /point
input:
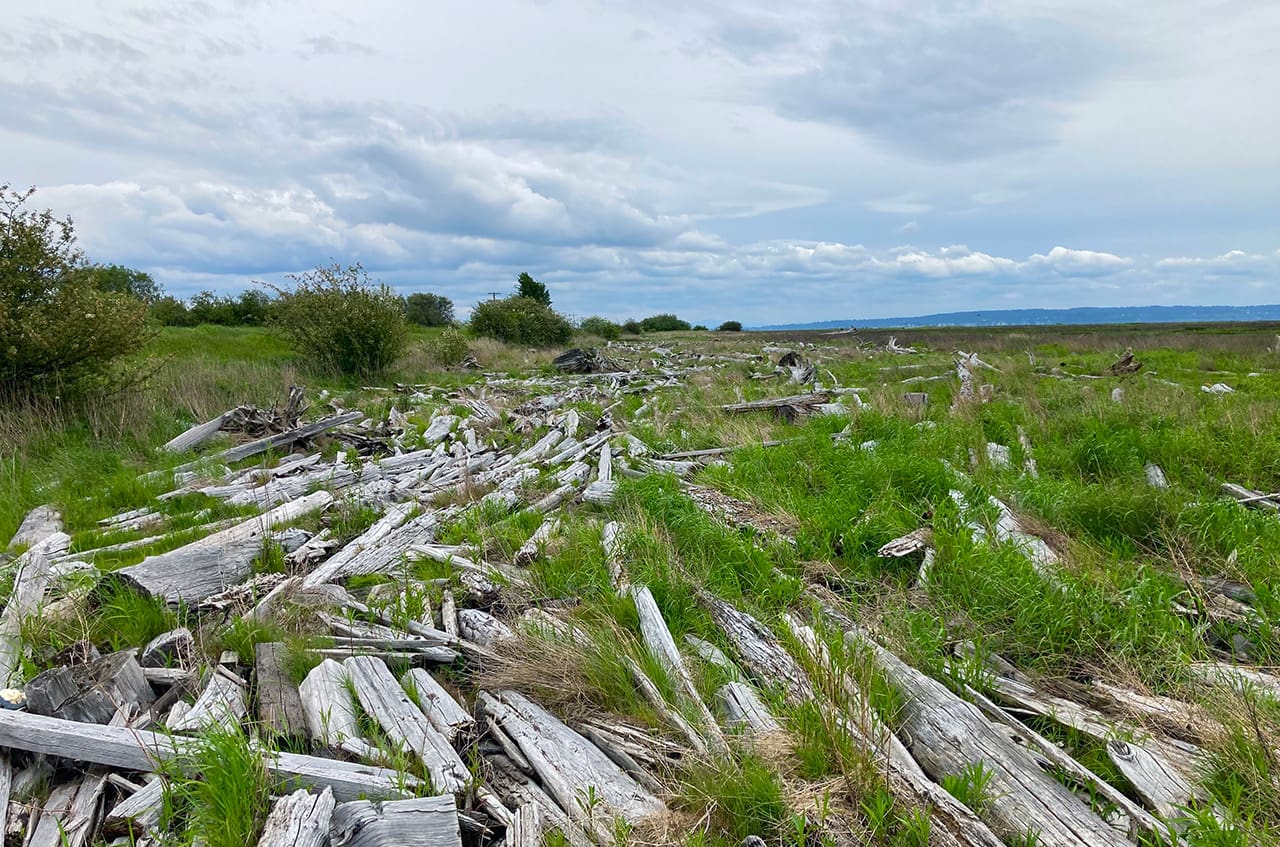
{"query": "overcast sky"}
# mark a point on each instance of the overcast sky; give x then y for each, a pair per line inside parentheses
(764, 161)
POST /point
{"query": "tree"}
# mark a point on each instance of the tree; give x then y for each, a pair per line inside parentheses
(527, 286)
(664, 323)
(730, 326)
(58, 331)
(427, 309)
(208, 308)
(520, 320)
(170, 311)
(122, 280)
(602, 327)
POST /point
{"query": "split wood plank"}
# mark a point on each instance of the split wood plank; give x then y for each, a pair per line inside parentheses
(743, 708)
(140, 750)
(139, 812)
(420, 822)
(223, 703)
(436, 703)
(765, 660)
(383, 699)
(271, 442)
(195, 436)
(331, 710)
(280, 709)
(69, 817)
(38, 524)
(300, 819)
(31, 578)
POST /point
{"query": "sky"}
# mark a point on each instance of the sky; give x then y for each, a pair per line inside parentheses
(723, 159)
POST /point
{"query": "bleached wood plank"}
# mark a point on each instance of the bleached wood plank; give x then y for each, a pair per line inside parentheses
(140, 750)
(421, 822)
(195, 436)
(280, 710)
(331, 710)
(223, 703)
(31, 577)
(437, 704)
(69, 817)
(300, 819)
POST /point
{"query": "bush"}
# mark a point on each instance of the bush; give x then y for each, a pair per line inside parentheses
(58, 331)
(601, 327)
(700, 328)
(122, 280)
(527, 286)
(340, 319)
(730, 326)
(208, 308)
(663, 323)
(520, 320)
(449, 348)
(170, 311)
(253, 308)
(632, 327)
(426, 309)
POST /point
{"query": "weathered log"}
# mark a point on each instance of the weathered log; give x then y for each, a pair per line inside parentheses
(743, 708)
(38, 524)
(140, 750)
(583, 361)
(1252, 499)
(765, 660)
(526, 826)
(1126, 364)
(330, 710)
(611, 540)
(30, 580)
(271, 442)
(300, 819)
(421, 822)
(205, 567)
(913, 542)
(657, 637)
(280, 710)
(93, 692)
(195, 436)
(440, 707)
(947, 734)
(378, 548)
(798, 400)
(532, 549)
(569, 766)
(383, 699)
(1155, 476)
(69, 817)
(482, 628)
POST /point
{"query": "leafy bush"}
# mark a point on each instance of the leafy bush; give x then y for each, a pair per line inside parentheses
(700, 328)
(340, 319)
(122, 280)
(427, 309)
(632, 327)
(520, 320)
(730, 326)
(601, 327)
(527, 286)
(58, 331)
(170, 311)
(663, 323)
(449, 348)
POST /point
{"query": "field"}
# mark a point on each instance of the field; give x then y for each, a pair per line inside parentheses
(1022, 614)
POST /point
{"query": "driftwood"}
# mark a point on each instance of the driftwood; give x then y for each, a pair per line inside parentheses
(280, 710)
(300, 819)
(657, 637)
(223, 703)
(915, 541)
(480, 627)
(421, 822)
(272, 442)
(38, 524)
(532, 549)
(946, 734)
(611, 541)
(196, 435)
(569, 766)
(383, 699)
(330, 710)
(801, 402)
(212, 564)
(583, 361)
(440, 707)
(766, 661)
(176, 646)
(1252, 499)
(139, 812)
(91, 693)
(1155, 476)
(69, 816)
(1126, 364)
(140, 750)
(743, 708)
(30, 579)
(377, 548)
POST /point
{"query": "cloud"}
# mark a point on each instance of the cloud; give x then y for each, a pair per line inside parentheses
(947, 83)
(1080, 262)
(322, 46)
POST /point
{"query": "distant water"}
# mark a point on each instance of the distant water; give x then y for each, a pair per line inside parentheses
(1050, 317)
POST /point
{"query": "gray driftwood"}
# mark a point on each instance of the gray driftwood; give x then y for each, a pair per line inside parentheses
(38, 524)
(331, 711)
(383, 699)
(743, 708)
(436, 703)
(30, 579)
(421, 822)
(212, 564)
(195, 436)
(140, 750)
(69, 817)
(223, 703)
(300, 819)
(280, 709)
(92, 692)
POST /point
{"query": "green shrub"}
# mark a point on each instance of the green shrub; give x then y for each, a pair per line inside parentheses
(527, 286)
(664, 323)
(632, 327)
(58, 331)
(601, 327)
(730, 326)
(427, 309)
(339, 319)
(170, 311)
(520, 320)
(449, 348)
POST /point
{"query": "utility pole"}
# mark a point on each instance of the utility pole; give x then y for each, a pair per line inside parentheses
(493, 295)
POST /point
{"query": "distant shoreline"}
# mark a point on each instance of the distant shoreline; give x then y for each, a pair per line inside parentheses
(1079, 316)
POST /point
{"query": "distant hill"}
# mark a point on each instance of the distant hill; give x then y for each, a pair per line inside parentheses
(1049, 317)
